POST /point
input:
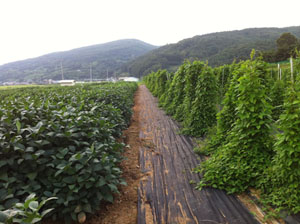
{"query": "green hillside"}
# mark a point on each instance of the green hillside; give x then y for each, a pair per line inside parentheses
(76, 63)
(217, 48)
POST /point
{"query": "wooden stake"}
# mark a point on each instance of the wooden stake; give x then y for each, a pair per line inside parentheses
(292, 75)
(280, 75)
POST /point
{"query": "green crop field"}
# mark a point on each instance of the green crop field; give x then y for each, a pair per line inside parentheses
(62, 142)
(18, 86)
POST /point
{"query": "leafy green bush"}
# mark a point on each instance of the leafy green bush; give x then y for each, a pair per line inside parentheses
(241, 144)
(163, 99)
(225, 118)
(277, 98)
(223, 76)
(202, 114)
(61, 142)
(27, 212)
(150, 81)
(161, 78)
(175, 96)
(280, 184)
(238, 164)
(192, 73)
(180, 96)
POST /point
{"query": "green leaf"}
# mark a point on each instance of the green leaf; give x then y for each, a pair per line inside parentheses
(33, 205)
(19, 147)
(11, 202)
(71, 187)
(113, 187)
(18, 124)
(3, 217)
(87, 208)
(78, 166)
(93, 147)
(69, 179)
(45, 212)
(32, 176)
(101, 182)
(35, 220)
(108, 197)
(37, 128)
(78, 209)
(47, 193)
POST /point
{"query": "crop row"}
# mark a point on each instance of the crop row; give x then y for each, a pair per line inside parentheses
(254, 139)
(62, 142)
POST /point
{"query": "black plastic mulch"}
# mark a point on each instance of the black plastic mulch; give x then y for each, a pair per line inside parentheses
(167, 192)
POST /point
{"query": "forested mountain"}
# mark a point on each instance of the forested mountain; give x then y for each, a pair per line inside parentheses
(217, 48)
(139, 58)
(76, 64)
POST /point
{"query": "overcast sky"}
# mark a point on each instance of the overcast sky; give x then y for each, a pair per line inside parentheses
(31, 28)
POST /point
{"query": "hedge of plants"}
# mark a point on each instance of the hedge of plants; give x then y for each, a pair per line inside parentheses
(189, 95)
(255, 142)
(62, 142)
(245, 151)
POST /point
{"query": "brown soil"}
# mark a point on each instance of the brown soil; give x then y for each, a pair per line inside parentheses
(255, 209)
(166, 194)
(124, 208)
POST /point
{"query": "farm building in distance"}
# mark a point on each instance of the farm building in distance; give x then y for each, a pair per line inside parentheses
(66, 82)
(129, 79)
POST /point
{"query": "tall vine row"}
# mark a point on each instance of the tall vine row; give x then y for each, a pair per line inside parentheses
(249, 113)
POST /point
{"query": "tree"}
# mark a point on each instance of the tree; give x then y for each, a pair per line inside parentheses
(286, 44)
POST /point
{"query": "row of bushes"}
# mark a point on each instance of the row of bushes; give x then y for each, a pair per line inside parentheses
(256, 141)
(182, 96)
(62, 142)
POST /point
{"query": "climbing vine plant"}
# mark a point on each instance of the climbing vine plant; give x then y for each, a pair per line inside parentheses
(256, 140)
(238, 164)
(280, 185)
(202, 114)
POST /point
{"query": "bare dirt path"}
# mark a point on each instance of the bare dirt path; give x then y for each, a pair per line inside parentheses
(166, 194)
(124, 208)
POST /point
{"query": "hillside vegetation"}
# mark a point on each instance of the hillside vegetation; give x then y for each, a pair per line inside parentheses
(76, 63)
(139, 58)
(217, 48)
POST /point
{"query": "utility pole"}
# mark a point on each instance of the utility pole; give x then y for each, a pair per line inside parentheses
(106, 74)
(62, 71)
(292, 70)
(91, 73)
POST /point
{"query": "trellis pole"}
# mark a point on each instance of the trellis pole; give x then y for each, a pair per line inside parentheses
(292, 75)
